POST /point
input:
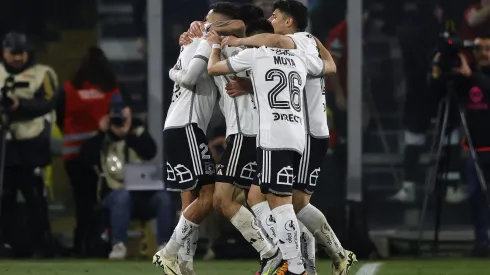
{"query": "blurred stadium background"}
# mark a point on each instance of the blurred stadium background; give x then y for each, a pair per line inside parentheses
(363, 169)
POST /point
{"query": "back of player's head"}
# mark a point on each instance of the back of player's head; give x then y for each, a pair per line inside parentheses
(249, 13)
(296, 10)
(259, 26)
(226, 9)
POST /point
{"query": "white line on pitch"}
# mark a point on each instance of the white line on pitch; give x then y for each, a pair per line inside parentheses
(369, 269)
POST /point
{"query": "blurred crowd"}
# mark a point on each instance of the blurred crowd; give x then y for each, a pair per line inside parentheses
(101, 134)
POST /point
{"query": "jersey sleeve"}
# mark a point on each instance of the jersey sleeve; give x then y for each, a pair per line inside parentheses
(203, 51)
(242, 61)
(315, 65)
(196, 67)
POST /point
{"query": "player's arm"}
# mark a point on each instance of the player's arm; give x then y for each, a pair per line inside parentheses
(316, 66)
(196, 68)
(234, 27)
(235, 64)
(263, 39)
(476, 17)
(330, 67)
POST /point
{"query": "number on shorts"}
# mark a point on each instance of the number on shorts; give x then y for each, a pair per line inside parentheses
(204, 151)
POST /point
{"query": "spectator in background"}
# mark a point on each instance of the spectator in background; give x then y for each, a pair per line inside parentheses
(122, 140)
(476, 20)
(26, 101)
(83, 102)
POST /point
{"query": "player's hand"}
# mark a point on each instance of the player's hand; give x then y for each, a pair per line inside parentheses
(231, 41)
(196, 29)
(213, 38)
(185, 39)
(238, 86)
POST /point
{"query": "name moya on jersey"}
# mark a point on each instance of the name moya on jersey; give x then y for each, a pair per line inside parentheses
(280, 60)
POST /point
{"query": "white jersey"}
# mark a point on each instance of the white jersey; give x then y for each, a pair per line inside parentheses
(240, 112)
(192, 104)
(278, 78)
(315, 102)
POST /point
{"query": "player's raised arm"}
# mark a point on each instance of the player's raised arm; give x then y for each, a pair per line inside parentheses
(235, 27)
(263, 39)
(196, 67)
(235, 64)
(330, 67)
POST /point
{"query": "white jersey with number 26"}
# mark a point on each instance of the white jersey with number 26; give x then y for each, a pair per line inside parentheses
(315, 102)
(278, 78)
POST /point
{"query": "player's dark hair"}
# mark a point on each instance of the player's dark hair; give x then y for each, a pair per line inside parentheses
(95, 69)
(259, 26)
(226, 8)
(249, 13)
(296, 10)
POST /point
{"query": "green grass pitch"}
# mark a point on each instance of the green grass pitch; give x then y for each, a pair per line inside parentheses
(89, 267)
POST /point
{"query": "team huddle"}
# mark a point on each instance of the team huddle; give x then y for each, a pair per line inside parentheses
(269, 75)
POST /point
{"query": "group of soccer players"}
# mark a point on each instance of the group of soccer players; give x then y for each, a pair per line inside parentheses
(270, 78)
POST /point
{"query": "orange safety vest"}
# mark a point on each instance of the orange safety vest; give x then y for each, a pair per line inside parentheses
(84, 108)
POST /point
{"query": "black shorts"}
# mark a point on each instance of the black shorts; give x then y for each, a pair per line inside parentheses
(189, 163)
(238, 162)
(276, 171)
(310, 164)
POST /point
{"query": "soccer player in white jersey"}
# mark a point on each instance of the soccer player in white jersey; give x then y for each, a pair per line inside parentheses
(290, 19)
(189, 166)
(238, 164)
(278, 77)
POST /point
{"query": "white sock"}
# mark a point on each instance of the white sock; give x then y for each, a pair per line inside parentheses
(316, 222)
(287, 229)
(308, 248)
(245, 222)
(266, 221)
(188, 250)
(182, 231)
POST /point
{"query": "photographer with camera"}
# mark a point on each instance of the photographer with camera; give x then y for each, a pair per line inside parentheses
(27, 90)
(122, 140)
(471, 85)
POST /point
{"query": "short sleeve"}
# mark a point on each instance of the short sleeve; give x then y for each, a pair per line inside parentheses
(315, 65)
(203, 51)
(242, 61)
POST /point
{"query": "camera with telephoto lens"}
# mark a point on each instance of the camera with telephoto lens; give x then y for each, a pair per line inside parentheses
(449, 48)
(116, 115)
(6, 102)
(8, 89)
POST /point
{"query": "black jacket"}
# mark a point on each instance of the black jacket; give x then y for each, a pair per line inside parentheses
(472, 93)
(32, 152)
(143, 145)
